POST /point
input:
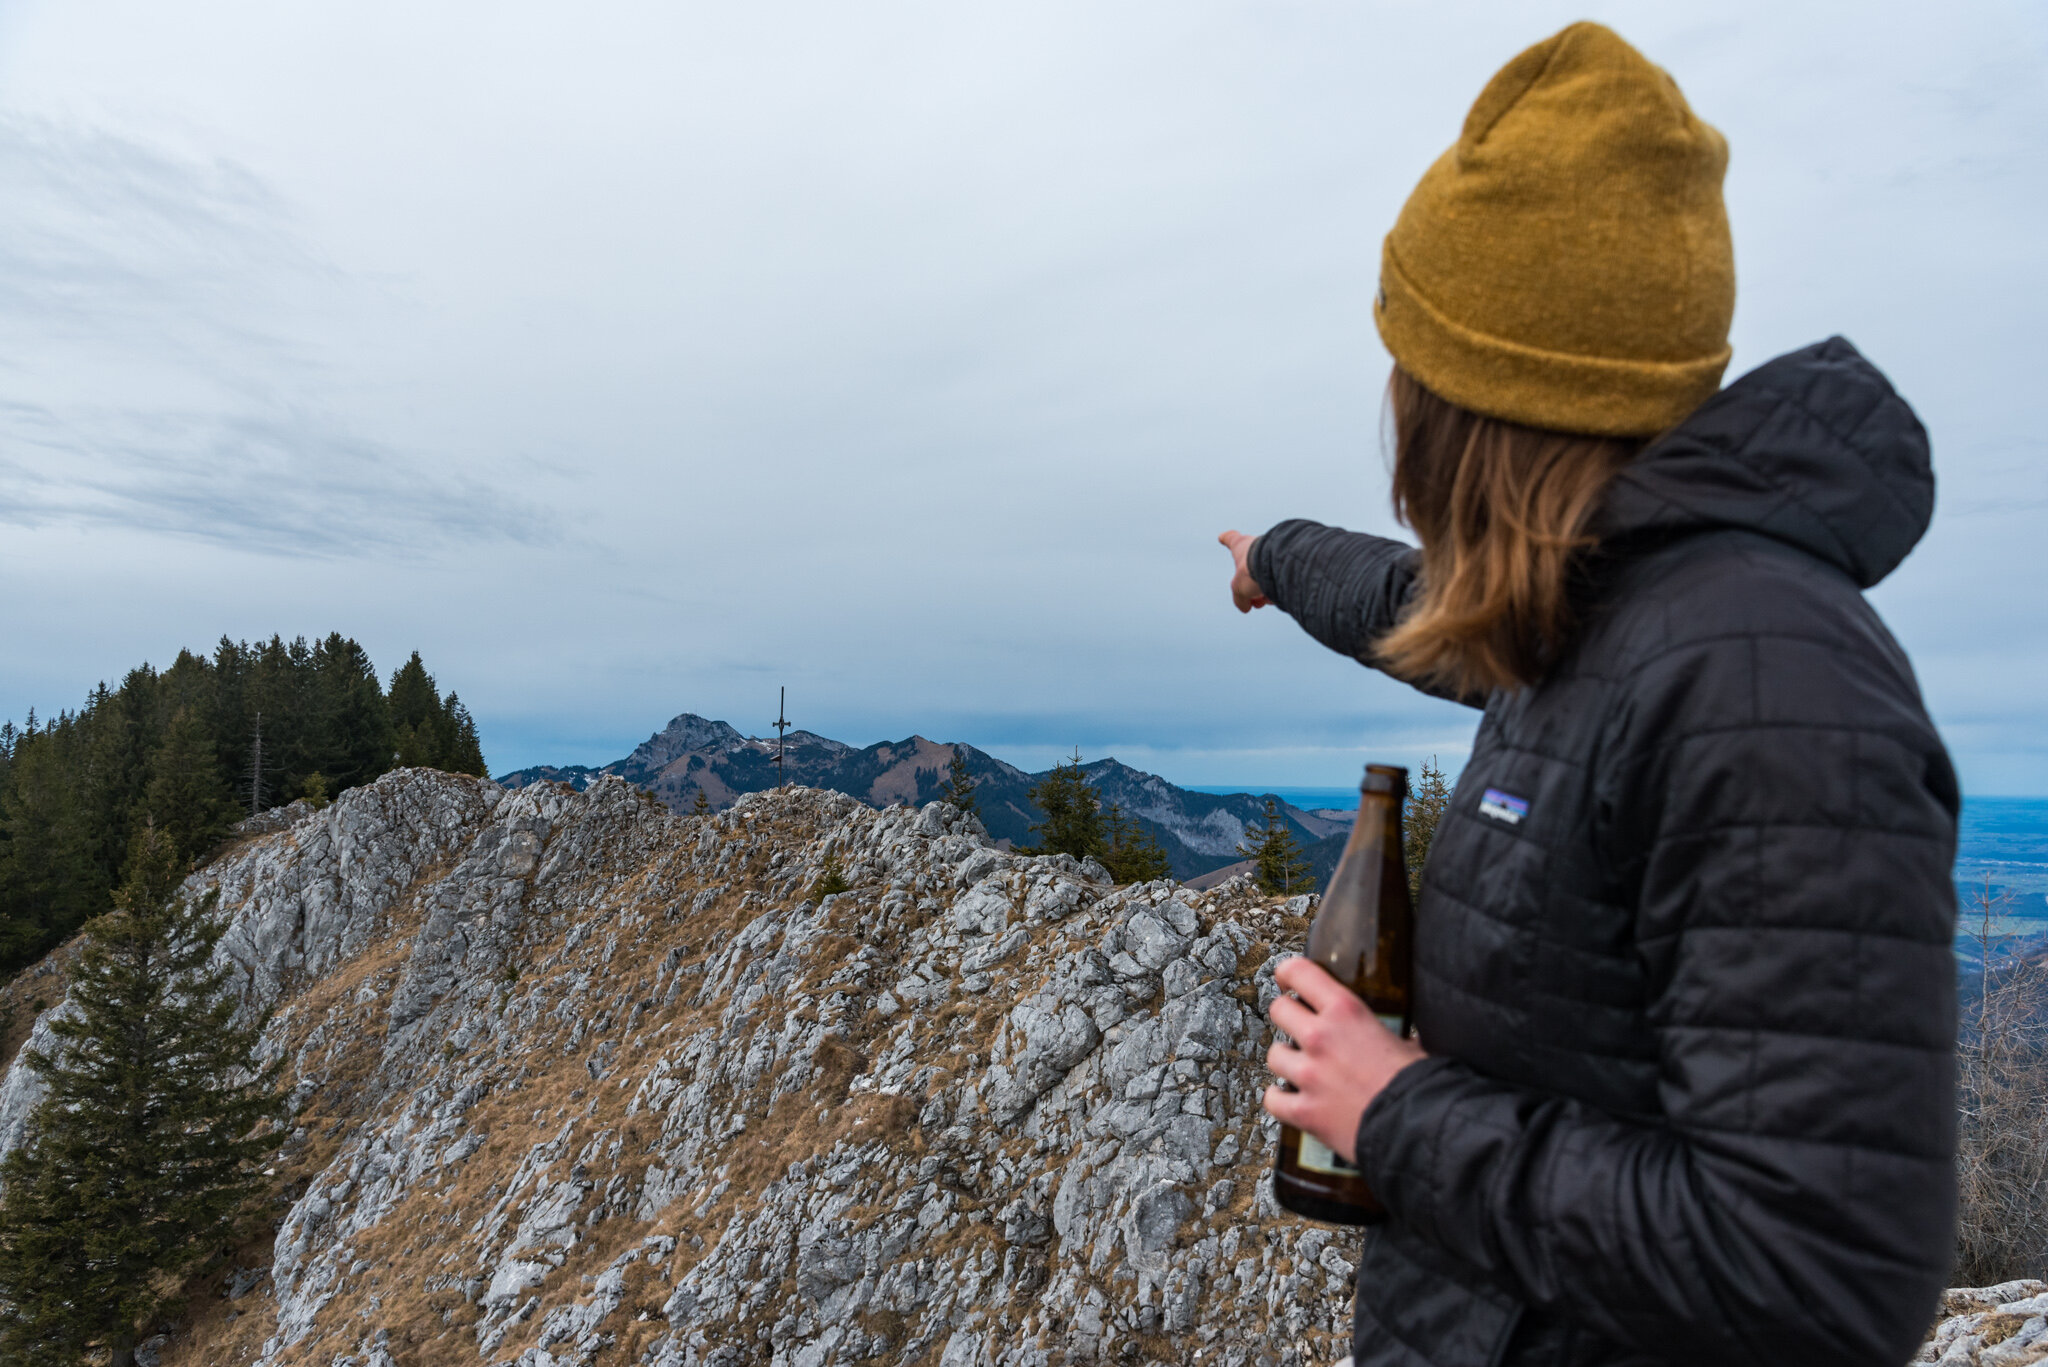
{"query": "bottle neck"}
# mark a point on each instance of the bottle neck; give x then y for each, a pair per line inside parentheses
(1385, 810)
(1378, 823)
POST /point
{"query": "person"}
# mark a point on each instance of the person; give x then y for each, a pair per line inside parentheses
(1682, 1083)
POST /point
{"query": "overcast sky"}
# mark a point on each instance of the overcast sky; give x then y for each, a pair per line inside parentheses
(636, 359)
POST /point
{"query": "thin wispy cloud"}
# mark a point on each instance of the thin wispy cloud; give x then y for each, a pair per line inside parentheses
(286, 483)
(163, 371)
(105, 239)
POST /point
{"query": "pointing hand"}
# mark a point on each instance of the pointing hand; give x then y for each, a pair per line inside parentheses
(1244, 590)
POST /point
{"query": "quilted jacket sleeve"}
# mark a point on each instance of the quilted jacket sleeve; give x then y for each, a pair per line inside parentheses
(1785, 817)
(1346, 589)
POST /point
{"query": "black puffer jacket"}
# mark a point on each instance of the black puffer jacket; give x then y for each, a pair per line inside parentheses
(1683, 962)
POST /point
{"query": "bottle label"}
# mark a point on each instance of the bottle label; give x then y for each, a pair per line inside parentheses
(1316, 1156)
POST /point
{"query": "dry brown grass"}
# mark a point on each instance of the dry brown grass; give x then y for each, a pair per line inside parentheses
(1998, 1328)
(983, 1017)
(838, 1063)
(793, 1130)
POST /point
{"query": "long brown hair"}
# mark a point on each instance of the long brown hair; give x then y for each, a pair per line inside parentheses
(1502, 512)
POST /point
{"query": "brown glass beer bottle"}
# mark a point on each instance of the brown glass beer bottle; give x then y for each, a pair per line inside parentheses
(1364, 934)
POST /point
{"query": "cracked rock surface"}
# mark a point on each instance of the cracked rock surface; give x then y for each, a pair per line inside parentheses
(1990, 1326)
(577, 1081)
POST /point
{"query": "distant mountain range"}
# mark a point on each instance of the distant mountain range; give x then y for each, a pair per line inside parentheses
(1199, 831)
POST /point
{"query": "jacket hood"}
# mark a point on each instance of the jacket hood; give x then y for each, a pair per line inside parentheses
(1815, 449)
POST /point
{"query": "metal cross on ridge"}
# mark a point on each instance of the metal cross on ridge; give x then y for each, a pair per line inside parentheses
(781, 725)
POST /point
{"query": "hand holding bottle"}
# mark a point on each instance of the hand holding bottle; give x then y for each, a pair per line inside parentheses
(1341, 1058)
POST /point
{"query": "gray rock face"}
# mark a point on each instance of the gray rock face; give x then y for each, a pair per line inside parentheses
(1990, 1326)
(21, 1091)
(576, 1077)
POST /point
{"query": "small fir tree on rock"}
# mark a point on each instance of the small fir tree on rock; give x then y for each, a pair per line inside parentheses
(960, 785)
(428, 731)
(1134, 855)
(700, 805)
(147, 1146)
(831, 879)
(1278, 865)
(465, 753)
(415, 705)
(1428, 800)
(1073, 817)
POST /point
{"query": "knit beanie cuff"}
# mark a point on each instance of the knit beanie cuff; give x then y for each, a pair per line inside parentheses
(1595, 395)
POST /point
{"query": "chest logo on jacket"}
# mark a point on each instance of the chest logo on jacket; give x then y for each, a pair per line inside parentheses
(1503, 806)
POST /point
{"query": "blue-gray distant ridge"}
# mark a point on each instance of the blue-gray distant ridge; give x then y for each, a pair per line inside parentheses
(1200, 832)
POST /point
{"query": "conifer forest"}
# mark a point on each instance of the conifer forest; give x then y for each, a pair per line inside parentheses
(189, 750)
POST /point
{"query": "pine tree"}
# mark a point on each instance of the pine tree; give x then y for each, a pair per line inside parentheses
(412, 695)
(254, 777)
(415, 713)
(1278, 865)
(112, 768)
(464, 754)
(185, 797)
(49, 882)
(1428, 800)
(1134, 855)
(233, 720)
(700, 805)
(960, 785)
(187, 686)
(353, 724)
(1073, 817)
(276, 687)
(145, 1148)
(428, 732)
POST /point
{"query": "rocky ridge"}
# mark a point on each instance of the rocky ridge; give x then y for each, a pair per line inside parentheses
(693, 755)
(577, 1080)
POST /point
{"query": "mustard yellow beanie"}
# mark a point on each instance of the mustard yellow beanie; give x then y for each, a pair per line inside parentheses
(1567, 264)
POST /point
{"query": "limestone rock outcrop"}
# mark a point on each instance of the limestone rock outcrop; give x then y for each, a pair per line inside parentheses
(1990, 1326)
(579, 1081)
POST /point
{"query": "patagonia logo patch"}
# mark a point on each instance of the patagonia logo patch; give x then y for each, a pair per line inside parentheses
(1504, 806)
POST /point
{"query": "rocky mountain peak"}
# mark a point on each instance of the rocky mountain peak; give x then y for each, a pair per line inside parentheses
(684, 734)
